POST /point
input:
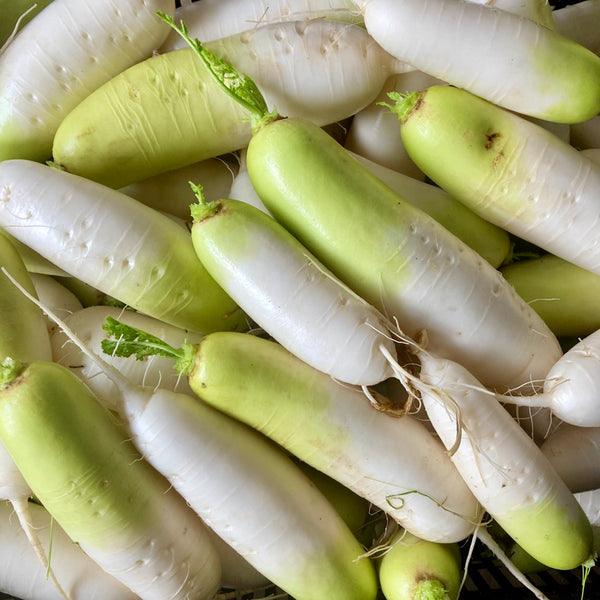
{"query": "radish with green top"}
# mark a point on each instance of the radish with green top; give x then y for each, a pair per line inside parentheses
(22, 575)
(166, 111)
(502, 466)
(330, 426)
(41, 81)
(404, 253)
(529, 68)
(115, 244)
(88, 475)
(507, 169)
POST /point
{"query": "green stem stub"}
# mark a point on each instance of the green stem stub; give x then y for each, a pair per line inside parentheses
(238, 86)
(430, 589)
(202, 209)
(10, 370)
(403, 104)
(130, 341)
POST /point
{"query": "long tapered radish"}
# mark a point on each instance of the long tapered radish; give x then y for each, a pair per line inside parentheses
(503, 467)
(325, 424)
(113, 243)
(41, 81)
(214, 19)
(22, 576)
(507, 169)
(319, 70)
(530, 68)
(88, 475)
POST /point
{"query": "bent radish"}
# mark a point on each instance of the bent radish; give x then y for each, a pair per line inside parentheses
(323, 71)
(42, 81)
(507, 169)
(115, 244)
(530, 69)
(503, 467)
(329, 426)
(86, 473)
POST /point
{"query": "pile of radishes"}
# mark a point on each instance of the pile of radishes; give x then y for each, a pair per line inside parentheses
(352, 251)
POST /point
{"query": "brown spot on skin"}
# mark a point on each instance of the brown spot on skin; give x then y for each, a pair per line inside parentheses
(490, 139)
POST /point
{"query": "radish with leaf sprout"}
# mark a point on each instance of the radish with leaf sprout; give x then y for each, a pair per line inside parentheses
(507, 169)
(289, 294)
(245, 489)
(404, 253)
(330, 426)
(323, 71)
(22, 575)
(575, 454)
(41, 82)
(572, 386)
(113, 243)
(502, 466)
(83, 469)
(530, 69)
(215, 19)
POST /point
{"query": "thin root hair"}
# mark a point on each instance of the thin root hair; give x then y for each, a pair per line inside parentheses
(15, 30)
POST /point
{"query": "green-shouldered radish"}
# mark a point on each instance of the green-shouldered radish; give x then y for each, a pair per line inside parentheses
(69, 49)
(88, 475)
(330, 426)
(113, 243)
(530, 68)
(166, 112)
(507, 169)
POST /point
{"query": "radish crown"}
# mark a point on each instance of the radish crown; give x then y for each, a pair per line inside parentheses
(131, 341)
(238, 86)
(10, 369)
(403, 104)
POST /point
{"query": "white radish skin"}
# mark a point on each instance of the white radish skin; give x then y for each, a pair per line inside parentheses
(575, 454)
(503, 467)
(56, 296)
(214, 19)
(289, 293)
(42, 80)
(590, 502)
(572, 386)
(242, 189)
(113, 243)
(530, 69)
(22, 575)
(153, 371)
(593, 154)
(539, 11)
(579, 22)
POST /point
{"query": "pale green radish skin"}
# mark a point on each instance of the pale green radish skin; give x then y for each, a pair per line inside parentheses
(215, 19)
(530, 68)
(564, 295)
(504, 468)
(505, 168)
(166, 112)
(241, 187)
(575, 454)
(34, 262)
(489, 241)
(289, 294)
(170, 192)
(249, 493)
(115, 244)
(414, 569)
(42, 81)
(22, 575)
(394, 256)
(572, 386)
(90, 478)
(334, 429)
(153, 371)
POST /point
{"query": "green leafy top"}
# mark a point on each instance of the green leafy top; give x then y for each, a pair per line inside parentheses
(132, 341)
(403, 104)
(240, 87)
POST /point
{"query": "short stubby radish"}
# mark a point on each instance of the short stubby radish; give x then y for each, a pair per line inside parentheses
(62, 55)
(572, 386)
(503, 467)
(329, 426)
(289, 294)
(507, 169)
(529, 68)
(389, 252)
(115, 244)
(88, 475)
(166, 111)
